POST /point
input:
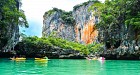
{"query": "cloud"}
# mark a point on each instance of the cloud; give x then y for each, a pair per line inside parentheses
(34, 9)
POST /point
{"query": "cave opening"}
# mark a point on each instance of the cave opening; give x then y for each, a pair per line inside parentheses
(79, 29)
(117, 43)
(108, 45)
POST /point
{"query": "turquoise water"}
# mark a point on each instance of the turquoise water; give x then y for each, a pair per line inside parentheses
(69, 67)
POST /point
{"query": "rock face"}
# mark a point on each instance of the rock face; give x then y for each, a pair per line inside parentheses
(9, 34)
(75, 26)
(56, 52)
(121, 43)
(59, 23)
(85, 21)
(12, 38)
(47, 50)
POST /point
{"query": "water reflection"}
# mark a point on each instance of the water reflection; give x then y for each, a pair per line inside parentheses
(18, 60)
(41, 63)
(102, 61)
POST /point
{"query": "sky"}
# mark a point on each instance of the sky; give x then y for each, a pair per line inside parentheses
(35, 9)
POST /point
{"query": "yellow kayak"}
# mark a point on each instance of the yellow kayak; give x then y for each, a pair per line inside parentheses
(41, 59)
(18, 58)
(94, 58)
(38, 58)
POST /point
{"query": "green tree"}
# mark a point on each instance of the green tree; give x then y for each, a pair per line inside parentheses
(10, 13)
(10, 16)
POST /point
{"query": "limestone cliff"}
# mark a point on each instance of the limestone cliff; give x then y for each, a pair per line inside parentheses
(59, 23)
(85, 21)
(9, 31)
(77, 25)
(11, 38)
(120, 42)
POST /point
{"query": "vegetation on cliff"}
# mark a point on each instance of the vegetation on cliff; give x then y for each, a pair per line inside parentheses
(10, 13)
(35, 45)
(48, 13)
(10, 17)
(119, 27)
(116, 13)
(83, 4)
(65, 16)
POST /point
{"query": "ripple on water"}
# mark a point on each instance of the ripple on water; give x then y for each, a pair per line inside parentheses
(70, 67)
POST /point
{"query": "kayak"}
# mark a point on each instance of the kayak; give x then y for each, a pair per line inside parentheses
(101, 59)
(91, 58)
(37, 58)
(94, 58)
(41, 59)
(18, 58)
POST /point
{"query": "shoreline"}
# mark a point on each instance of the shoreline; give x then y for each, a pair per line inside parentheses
(72, 59)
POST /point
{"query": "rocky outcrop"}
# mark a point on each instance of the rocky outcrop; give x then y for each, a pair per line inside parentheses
(77, 25)
(56, 52)
(9, 33)
(12, 37)
(120, 42)
(47, 50)
(85, 23)
(58, 23)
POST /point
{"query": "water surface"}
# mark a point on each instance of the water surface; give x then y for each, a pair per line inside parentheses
(69, 67)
